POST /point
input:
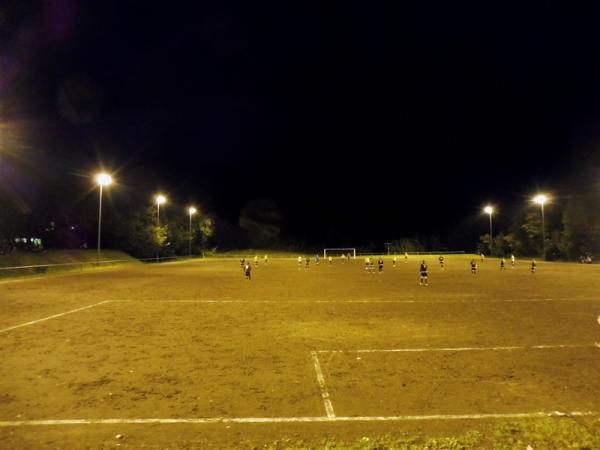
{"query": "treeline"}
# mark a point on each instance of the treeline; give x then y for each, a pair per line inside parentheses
(572, 230)
(62, 219)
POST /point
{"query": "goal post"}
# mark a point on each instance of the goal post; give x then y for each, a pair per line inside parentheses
(339, 251)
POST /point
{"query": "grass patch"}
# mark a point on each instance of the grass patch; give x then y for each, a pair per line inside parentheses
(546, 433)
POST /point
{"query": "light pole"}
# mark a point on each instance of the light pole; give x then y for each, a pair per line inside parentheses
(103, 179)
(191, 211)
(542, 199)
(490, 210)
(160, 199)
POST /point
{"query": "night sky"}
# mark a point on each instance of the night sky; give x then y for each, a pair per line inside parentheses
(363, 122)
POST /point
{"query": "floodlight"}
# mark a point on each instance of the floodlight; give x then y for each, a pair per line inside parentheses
(192, 210)
(488, 210)
(104, 179)
(160, 199)
(540, 199)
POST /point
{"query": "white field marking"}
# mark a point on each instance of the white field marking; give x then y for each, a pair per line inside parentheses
(33, 322)
(456, 349)
(321, 380)
(362, 301)
(209, 420)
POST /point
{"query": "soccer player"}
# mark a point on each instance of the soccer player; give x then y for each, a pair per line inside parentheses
(367, 263)
(482, 256)
(512, 261)
(248, 271)
(533, 265)
(380, 264)
(424, 276)
(394, 261)
(266, 259)
(330, 259)
(371, 265)
(307, 263)
(442, 259)
(317, 257)
(405, 257)
(256, 260)
(473, 267)
(502, 264)
(299, 262)
(242, 262)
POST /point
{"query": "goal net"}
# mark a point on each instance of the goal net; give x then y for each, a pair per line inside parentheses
(339, 252)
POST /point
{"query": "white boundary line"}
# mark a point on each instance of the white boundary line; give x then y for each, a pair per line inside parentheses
(456, 349)
(321, 380)
(209, 420)
(288, 302)
(33, 322)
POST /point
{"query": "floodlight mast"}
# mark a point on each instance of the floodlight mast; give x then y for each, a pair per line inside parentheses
(102, 179)
(490, 210)
(160, 199)
(191, 211)
(542, 199)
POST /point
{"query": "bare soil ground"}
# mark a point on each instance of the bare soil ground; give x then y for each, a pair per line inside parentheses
(195, 340)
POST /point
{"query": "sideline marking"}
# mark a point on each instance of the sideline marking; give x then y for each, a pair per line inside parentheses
(53, 316)
(321, 380)
(208, 420)
(456, 349)
(288, 302)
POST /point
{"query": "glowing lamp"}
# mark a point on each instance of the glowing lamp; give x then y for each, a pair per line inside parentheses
(104, 179)
(540, 199)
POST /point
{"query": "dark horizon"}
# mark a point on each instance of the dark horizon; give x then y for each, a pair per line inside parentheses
(362, 123)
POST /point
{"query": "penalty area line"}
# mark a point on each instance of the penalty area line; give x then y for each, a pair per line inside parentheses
(33, 322)
(210, 420)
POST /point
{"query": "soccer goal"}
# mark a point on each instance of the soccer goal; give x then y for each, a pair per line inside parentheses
(339, 252)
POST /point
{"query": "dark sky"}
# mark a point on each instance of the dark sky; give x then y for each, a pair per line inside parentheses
(363, 121)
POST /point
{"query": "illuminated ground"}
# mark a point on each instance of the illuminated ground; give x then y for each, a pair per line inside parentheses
(195, 341)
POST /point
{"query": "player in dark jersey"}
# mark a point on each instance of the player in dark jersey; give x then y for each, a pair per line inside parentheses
(394, 260)
(380, 264)
(473, 267)
(502, 264)
(307, 263)
(533, 265)
(442, 260)
(424, 274)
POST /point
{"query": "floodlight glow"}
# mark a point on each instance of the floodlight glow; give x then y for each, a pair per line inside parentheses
(192, 210)
(104, 179)
(488, 210)
(160, 199)
(540, 199)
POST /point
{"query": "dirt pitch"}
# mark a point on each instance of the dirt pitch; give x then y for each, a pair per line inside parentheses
(191, 355)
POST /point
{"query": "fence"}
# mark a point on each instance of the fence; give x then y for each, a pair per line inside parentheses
(43, 268)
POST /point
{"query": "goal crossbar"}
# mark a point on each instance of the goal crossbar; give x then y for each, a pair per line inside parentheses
(344, 250)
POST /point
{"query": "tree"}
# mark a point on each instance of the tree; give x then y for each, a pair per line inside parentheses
(581, 222)
(262, 221)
